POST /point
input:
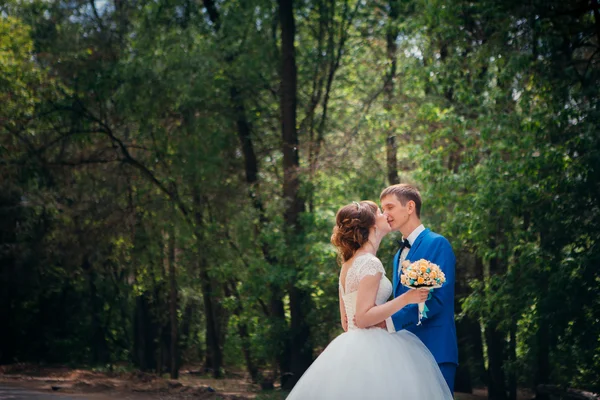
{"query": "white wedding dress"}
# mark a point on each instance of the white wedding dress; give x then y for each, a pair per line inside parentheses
(371, 363)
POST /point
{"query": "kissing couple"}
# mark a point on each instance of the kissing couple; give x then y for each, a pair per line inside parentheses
(388, 350)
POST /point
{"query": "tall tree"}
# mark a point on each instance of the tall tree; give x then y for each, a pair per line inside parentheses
(301, 348)
(391, 37)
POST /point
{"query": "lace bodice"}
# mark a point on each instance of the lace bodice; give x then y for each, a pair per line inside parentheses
(364, 265)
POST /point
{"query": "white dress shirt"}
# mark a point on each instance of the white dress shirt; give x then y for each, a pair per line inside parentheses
(411, 240)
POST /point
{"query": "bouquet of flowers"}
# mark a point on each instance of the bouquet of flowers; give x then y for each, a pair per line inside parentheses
(422, 274)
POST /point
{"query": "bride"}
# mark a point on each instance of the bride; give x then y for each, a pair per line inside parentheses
(363, 362)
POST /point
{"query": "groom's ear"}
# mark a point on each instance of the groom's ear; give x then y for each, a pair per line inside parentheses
(411, 206)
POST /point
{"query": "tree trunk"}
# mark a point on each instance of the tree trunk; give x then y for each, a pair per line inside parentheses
(214, 347)
(291, 182)
(464, 326)
(495, 346)
(315, 98)
(448, 90)
(231, 290)
(495, 340)
(301, 347)
(512, 348)
(9, 272)
(145, 333)
(7, 336)
(280, 326)
(476, 336)
(542, 375)
(596, 9)
(301, 344)
(542, 372)
(98, 340)
(471, 369)
(512, 356)
(494, 336)
(210, 294)
(186, 323)
(149, 326)
(388, 88)
(174, 350)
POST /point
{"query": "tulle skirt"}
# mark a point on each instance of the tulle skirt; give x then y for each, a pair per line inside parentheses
(373, 364)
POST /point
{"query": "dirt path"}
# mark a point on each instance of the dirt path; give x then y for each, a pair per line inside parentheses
(132, 385)
(30, 382)
(19, 393)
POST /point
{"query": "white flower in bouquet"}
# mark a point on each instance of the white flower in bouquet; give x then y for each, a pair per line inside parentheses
(422, 274)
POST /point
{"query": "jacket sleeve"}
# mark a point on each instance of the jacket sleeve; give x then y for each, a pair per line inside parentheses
(440, 253)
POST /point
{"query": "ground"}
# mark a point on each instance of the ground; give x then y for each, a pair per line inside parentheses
(93, 385)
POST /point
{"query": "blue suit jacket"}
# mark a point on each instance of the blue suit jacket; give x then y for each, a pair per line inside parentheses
(437, 331)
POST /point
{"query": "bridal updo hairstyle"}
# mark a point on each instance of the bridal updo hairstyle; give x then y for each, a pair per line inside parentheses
(352, 224)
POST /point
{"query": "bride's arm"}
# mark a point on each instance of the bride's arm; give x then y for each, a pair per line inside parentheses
(368, 314)
(343, 316)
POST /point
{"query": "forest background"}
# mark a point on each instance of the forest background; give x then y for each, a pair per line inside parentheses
(170, 171)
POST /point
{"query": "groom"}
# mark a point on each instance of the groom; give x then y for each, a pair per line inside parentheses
(402, 205)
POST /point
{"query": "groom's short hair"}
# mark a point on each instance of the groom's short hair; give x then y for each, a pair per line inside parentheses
(404, 193)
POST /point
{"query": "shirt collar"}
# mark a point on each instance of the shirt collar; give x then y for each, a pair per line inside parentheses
(415, 234)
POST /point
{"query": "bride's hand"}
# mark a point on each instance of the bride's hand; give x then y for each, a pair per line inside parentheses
(415, 296)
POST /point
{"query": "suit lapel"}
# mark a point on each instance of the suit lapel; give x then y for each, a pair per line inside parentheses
(415, 247)
(411, 253)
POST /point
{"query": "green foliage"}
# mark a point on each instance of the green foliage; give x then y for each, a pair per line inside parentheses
(122, 153)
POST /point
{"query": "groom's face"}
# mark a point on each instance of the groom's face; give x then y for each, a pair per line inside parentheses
(397, 214)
